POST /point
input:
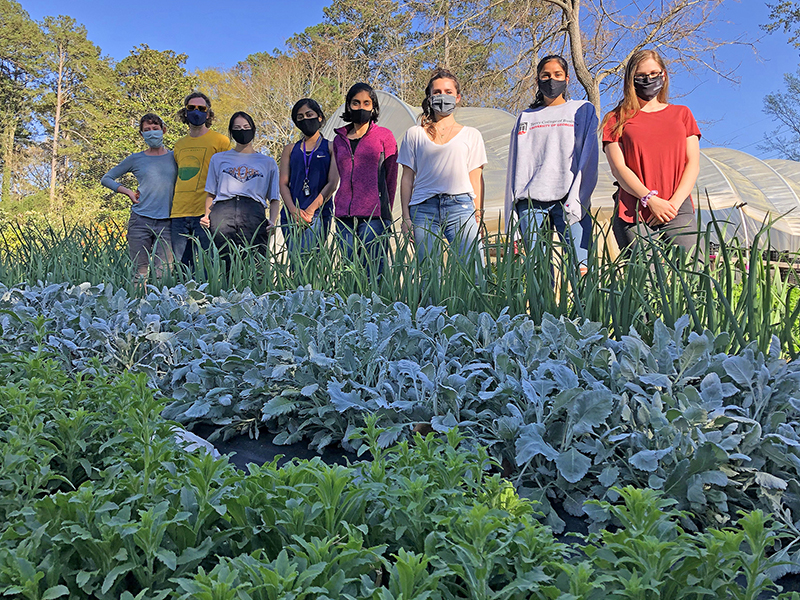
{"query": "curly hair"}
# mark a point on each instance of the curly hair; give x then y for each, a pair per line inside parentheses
(181, 115)
(151, 119)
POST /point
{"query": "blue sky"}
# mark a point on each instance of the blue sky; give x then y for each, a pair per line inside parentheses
(729, 114)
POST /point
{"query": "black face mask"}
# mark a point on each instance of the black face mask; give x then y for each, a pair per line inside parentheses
(552, 88)
(647, 88)
(309, 126)
(360, 116)
(243, 136)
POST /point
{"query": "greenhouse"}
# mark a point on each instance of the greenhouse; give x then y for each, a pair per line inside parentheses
(741, 191)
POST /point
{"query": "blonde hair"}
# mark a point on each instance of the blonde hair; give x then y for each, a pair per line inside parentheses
(629, 106)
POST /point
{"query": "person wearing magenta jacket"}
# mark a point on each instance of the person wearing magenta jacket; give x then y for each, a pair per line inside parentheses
(366, 157)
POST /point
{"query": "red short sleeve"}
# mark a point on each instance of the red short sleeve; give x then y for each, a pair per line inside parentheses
(608, 128)
(690, 123)
(653, 145)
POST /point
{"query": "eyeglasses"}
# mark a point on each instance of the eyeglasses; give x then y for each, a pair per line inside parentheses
(647, 77)
(200, 107)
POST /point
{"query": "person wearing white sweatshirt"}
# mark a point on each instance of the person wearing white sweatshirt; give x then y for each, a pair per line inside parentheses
(553, 162)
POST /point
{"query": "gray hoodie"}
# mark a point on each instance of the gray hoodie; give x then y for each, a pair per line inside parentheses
(553, 155)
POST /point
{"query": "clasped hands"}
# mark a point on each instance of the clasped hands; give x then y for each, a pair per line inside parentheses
(661, 211)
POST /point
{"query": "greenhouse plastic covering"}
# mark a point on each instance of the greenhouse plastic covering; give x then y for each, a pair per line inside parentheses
(741, 191)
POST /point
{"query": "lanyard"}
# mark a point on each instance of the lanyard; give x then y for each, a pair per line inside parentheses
(307, 157)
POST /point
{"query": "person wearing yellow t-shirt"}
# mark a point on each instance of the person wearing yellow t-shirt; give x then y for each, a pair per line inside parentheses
(193, 153)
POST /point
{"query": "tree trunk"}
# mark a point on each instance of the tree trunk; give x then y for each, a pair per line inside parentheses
(446, 41)
(8, 154)
(56, 128)
(572, 12)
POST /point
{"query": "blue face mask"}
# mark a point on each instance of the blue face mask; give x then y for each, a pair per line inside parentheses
(443, 104)
(153, 138)
(196, 117)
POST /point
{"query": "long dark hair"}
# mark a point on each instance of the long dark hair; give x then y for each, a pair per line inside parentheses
(355, 89)
(427, 117)
(539, 99)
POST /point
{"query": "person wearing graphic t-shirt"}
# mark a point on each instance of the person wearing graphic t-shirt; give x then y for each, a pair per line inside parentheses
(552, 163)
(366, 156)
(441, 189)
(307, 182)
(241, 185)
(193, 153)
(653, 150)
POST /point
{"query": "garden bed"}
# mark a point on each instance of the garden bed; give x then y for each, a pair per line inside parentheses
(99, 500)
(569, 412)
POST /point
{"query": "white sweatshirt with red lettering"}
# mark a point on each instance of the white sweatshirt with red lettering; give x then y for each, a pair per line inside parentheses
(553, 155)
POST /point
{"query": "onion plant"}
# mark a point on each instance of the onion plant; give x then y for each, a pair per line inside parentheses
(723, 288)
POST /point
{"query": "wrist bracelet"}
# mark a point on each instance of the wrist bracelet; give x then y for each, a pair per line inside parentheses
(644, 199)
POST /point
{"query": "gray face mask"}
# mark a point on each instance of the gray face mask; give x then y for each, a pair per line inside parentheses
(153, 138)
(443, 104)
(647, 88)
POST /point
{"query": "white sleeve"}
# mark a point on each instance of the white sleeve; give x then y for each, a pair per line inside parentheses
(213, 176)
(477, 152)
(510, 172)
(408, 151)
(274, 189)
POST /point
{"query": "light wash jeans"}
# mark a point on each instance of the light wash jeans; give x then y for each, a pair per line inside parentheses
(450, 215)
(304, 238)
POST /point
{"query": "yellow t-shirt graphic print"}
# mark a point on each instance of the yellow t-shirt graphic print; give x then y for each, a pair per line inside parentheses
(193, 161)
(193, 156)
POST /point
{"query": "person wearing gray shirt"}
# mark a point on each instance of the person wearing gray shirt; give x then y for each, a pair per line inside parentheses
(553, 163)
(241, 185)
(149, 224)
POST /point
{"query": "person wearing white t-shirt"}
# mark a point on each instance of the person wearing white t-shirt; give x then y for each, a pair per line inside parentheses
(441, 189)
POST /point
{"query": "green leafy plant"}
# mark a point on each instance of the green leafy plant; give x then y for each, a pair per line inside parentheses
(567, 410)
(427, 518)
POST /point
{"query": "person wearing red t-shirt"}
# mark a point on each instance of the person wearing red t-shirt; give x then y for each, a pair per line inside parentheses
(653, 149)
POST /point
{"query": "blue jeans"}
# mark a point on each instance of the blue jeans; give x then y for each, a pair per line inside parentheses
(450, 215)
(183, 228)
(303, 238)
(370, 233)
(535, 216)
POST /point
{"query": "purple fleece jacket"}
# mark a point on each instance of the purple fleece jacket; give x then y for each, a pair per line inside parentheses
(368, 177)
